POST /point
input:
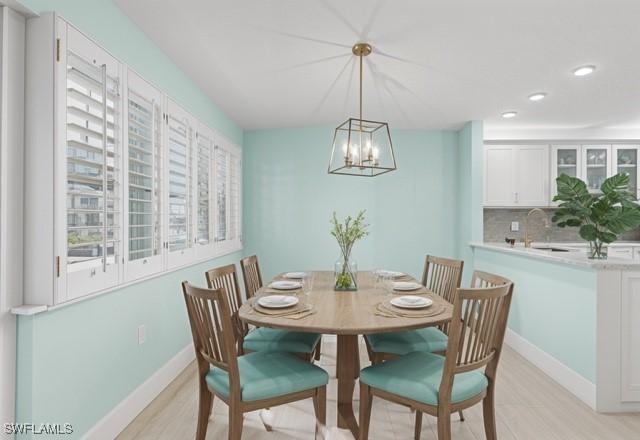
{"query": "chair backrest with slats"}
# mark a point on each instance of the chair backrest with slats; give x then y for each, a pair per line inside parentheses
(476, 336)
(442, 276)
(251, 275)
(225, 278)
(212, 329)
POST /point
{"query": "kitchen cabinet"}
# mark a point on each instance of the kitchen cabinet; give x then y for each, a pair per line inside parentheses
(516, 175)
(565, 159)
(625, 160)
(596, 165)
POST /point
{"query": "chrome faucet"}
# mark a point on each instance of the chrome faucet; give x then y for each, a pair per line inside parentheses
(547, 225)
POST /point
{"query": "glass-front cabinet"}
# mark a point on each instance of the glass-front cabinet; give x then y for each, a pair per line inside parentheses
(566, 159)
(626, 161)
(596, 165)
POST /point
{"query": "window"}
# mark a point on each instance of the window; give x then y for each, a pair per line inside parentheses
(228, 166)
(204, 182)
(143, 192)
(181, 218)
(93, 166)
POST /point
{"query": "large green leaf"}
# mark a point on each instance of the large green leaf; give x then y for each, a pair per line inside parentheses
(588, 232)
(622, 219)
(616, 184)
(607, 237)
(570, 189)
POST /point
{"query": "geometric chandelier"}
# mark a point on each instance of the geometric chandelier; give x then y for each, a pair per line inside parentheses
(362, 147)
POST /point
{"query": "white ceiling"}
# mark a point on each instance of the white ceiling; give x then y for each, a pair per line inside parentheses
(436, 64)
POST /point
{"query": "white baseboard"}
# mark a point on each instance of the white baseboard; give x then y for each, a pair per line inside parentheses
(119, 417)
(565, 376)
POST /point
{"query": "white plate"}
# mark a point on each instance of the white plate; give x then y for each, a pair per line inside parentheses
(411, 302)
(295, 275)
(286, 285)
(388, 273)
(406, 285)
(277, 301)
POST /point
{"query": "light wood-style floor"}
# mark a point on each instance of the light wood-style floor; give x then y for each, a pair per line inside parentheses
(530, 406)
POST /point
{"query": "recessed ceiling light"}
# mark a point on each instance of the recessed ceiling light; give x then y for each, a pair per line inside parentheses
(509, 114)
(584, 70)
(537, 96)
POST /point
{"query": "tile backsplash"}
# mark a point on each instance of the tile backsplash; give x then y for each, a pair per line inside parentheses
(497, 226)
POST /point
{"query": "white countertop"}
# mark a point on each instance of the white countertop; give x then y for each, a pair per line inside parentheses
(573, 257)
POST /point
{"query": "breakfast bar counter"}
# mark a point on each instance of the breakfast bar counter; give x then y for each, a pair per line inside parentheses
(575, 318)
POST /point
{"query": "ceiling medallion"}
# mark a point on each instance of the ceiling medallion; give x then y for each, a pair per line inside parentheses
(362, 147)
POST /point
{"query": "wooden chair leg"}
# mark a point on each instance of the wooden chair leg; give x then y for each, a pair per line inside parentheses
(320, 408)
(204, 410)
(444, 423)
(489, 414)
(418, 428)
(365, 410)
(461, 416)
(205, 406)
(318, 350)
(235, 423)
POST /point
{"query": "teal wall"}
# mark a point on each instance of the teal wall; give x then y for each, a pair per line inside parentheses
(469, 197)
(554, 306)
(77, 363)
(289, 198)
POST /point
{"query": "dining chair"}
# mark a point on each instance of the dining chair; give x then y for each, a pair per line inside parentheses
(439, 385)
(261, 338)
(441, 276)
(245, 383)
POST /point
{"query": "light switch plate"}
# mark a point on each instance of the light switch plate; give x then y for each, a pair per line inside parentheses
(515, 226)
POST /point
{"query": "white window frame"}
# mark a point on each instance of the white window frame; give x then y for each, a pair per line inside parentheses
(140, 268)
(229, 244)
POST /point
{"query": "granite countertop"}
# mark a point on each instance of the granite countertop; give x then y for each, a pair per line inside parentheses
(575, 257)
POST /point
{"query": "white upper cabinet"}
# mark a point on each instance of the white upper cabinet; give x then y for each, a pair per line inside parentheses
(565, 159)
(499, 176)
(144, 178)
(596, 165)
(625, 160)
(123, 183)
(516, 175)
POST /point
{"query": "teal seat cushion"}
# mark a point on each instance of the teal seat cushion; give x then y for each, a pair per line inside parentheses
(417, 376)
(266, 374)
(428, 339)
(271, 339)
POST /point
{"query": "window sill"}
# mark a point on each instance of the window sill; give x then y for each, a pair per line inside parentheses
(34, 309)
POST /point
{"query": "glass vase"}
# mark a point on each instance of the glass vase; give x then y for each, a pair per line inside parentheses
(597, 250)
(345, 275)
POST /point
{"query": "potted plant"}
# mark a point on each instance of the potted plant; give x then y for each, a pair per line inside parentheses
(601, 217)
(347, 233)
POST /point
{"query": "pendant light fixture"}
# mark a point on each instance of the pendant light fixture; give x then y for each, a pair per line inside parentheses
(362, 147)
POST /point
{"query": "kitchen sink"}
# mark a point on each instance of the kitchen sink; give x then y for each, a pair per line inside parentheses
(550, 249)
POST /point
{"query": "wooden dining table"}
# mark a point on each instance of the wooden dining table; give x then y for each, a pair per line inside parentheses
(346, 314)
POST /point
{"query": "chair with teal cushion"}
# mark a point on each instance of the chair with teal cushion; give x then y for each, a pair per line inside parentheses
(260, 339)
(245, 383)
(441, 276)
(440, 385)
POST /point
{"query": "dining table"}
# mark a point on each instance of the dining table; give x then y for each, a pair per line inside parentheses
(347, 314)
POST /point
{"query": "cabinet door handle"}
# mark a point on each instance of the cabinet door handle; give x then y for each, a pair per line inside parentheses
(515, 195)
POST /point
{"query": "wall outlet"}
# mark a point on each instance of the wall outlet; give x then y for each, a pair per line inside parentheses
(515, 226)
(142, 334)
